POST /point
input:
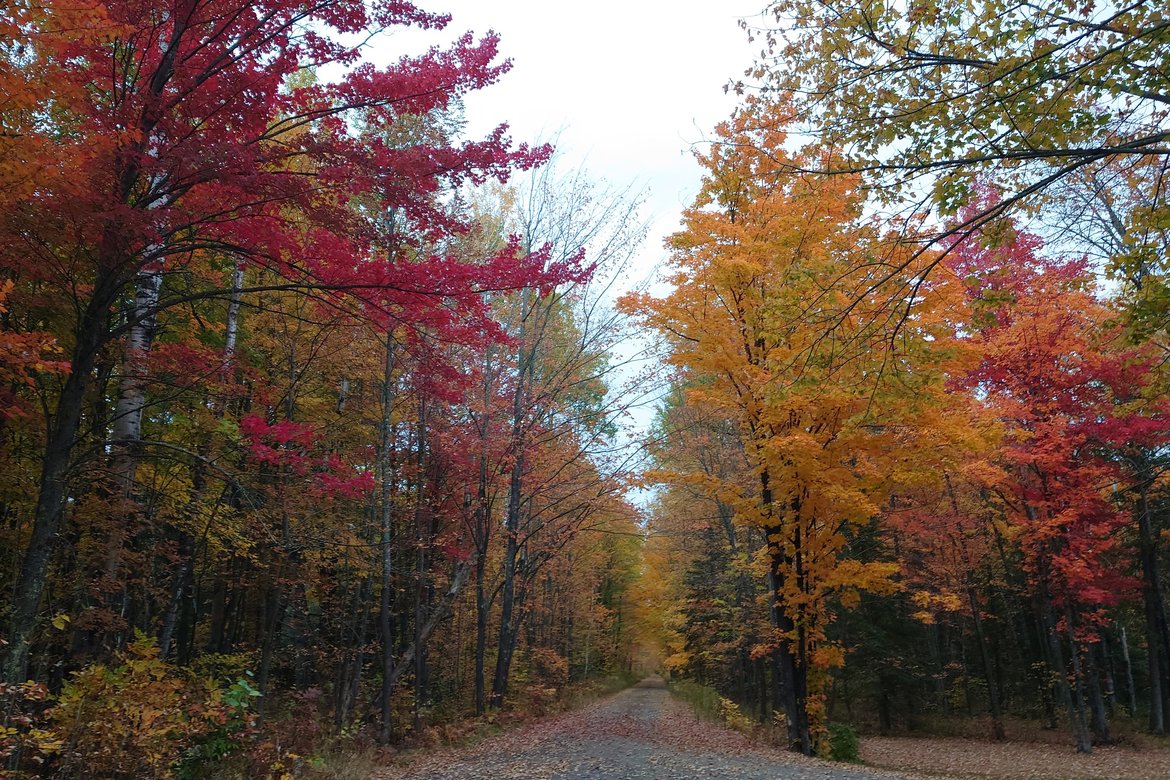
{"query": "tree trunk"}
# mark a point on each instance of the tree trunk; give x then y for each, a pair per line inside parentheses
(509, 625)
(184, 580)
(441, 611)
(482, 536)
(92, 333)
(217, 627)
(181, 586)
(1131, 690)
(803, 657)
(1154, 667)
(1072, 697)
(128, 412)
(783, 660)
(385, 614)
(1098, 714)
(1084, 741)
(232, 326)
(422, 545)
(365, 591)
(481, 628)
(997, 728)
(126, 445)
(792, 680)
(1157, 633)
(1104, 659)
(270, 631)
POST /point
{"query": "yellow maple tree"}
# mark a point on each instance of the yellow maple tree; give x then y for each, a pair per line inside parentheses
(780, 320)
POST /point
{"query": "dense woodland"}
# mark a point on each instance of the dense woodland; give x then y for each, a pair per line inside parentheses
(314, 420)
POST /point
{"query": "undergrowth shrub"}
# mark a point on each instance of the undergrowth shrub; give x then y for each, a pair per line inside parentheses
(27, 738)
(143, 718)
(732, 715)
(844, 744)
(549, 668)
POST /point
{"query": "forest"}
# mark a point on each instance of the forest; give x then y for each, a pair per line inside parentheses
(319, 413)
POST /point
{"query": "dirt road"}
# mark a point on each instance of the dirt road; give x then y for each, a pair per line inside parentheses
(640, 734)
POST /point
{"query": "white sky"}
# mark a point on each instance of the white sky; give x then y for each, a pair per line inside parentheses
(629, 86)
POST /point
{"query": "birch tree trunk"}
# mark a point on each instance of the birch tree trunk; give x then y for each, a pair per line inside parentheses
(127, 423)
(126, 438)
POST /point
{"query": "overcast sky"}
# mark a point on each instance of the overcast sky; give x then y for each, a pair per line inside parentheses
(629, 86)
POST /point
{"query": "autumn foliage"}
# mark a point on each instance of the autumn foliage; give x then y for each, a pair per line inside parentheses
(315, 411)
(301, 418)
(867, 441)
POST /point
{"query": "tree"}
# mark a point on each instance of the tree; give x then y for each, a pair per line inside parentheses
(1069, 391)
(766, 256)
(940, 525)
(559, 415)
(259, 368)
(925, 99)
(710, 618)
(202, 137)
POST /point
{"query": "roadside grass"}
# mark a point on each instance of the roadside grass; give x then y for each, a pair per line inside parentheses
(843, 740)
(709, 705)
(702, 698)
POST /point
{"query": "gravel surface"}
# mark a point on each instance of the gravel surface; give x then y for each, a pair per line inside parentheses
(640, 734)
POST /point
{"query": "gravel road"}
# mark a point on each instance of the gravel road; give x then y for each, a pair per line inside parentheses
(640, 734)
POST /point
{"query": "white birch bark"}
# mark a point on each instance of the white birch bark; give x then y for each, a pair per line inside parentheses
(127, 424)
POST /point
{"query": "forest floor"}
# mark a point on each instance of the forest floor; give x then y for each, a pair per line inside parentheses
(642, 733)
(973, 759)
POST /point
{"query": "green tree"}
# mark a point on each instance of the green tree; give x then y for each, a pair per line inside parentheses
(922, 94)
